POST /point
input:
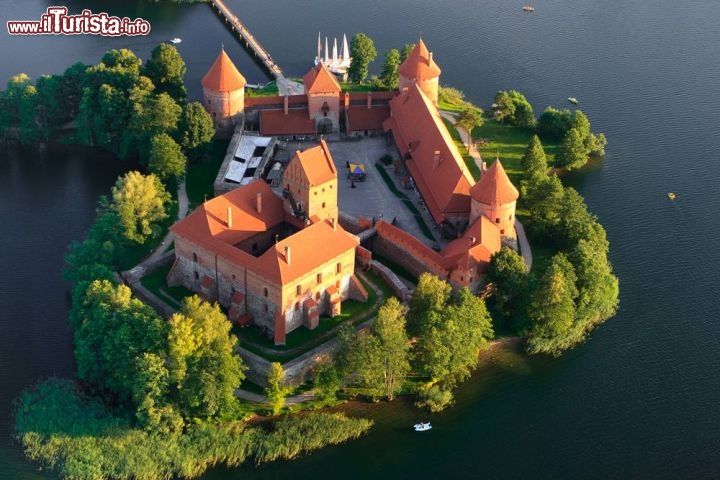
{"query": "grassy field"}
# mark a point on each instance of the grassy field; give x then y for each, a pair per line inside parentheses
(270, 89)
(359, 87)
(201, 173)
(156, 282)
(509, 143)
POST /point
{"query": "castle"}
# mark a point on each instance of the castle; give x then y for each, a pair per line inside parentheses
(259, 254)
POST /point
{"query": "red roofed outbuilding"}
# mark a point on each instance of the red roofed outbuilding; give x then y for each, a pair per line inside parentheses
(323, 96)
(431, 157)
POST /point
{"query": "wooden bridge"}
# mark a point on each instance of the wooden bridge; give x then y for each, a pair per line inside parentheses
(251, 42)
(285, 86)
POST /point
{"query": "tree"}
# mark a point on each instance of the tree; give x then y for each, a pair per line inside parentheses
(326, 382)
(543, 199)
(166, 158)
(195, 128)
(140, 203)
(573, 152)
(276, 390)
(428, 298)
(112, 331)
(203, 364)
(393, 346)
(580, 123)
(363, 52)
(166, 68)
(389, 75)
(554, 124)
(552, 309)
(596, 142)
(507, 270)
(468, 119)
(504, 106)
(152, 114)
(406, 51)
(534, 162)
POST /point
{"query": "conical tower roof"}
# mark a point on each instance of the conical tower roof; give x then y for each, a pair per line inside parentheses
(419, 64)
(320, 80)
(223, 76)
(494, 186)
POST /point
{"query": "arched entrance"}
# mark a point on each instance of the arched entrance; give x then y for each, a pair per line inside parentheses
(324, 125)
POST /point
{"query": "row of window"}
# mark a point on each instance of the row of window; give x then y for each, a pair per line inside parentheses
(497, 219)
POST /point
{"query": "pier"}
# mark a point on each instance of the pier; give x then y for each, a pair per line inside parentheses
(286, 87)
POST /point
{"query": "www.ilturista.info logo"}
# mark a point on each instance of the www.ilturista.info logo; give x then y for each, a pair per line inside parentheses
(57, 22)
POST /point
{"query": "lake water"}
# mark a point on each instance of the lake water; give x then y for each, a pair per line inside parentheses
(638, 400)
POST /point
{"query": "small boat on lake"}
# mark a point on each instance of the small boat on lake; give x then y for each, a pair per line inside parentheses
(671, 195)
(573, 100)
(422, 427)
(528, 8)
(175, 40)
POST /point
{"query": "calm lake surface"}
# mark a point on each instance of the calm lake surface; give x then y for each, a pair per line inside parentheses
(638, 400)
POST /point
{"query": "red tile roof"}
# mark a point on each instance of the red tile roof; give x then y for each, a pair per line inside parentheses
(296, 122)
(363, 118)
(320, 80)
(223, 76)
(417, 127)
(479, 241)
(317, 164)
(419, 64)
(494, 186)
(207, 227)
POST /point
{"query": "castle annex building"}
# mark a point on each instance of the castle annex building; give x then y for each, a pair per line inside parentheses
(258, 255)
(240, 248)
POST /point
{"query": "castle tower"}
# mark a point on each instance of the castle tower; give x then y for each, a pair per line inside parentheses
(223, 92)
(310, 184)
(494, 196)
(419, 67)
(323, 96)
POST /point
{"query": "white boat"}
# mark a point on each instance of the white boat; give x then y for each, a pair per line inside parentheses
(175, 40)
(573, 100)
(528, 8)
(337, 64)
(422, 427)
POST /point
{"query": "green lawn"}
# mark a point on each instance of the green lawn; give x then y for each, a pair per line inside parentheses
(201, 173)
(509, 143)
(360, 87)
(269, 90)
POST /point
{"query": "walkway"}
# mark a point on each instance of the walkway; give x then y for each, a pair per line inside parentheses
(257, 398)
(525, 250)
(472, 149)
(285, 86)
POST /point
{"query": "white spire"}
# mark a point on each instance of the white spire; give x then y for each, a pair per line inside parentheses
(327, 58)
(345, 49)
(335, 50)
(319, 46)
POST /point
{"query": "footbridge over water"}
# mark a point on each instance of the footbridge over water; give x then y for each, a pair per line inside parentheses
(253, 44)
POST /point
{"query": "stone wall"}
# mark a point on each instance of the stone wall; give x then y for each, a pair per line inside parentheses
(405, 250)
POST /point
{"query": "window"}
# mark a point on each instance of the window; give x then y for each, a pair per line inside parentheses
(323, 205)
(510, 217)
(265, 307)
(233, 276)
(502, 232)
(298, 290)
(338, 267)
(265, 292)
(323, 190)
(462, 279)
(319, 278)
(497, 220)
(197, 276)
(317, 297)
(315, 193)
(297, 305)
(194, 257)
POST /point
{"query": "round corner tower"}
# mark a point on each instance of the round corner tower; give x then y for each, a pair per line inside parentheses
(420, 68)
(494, 196)
(223, 92)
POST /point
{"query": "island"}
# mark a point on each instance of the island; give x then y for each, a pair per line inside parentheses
(345, 241)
